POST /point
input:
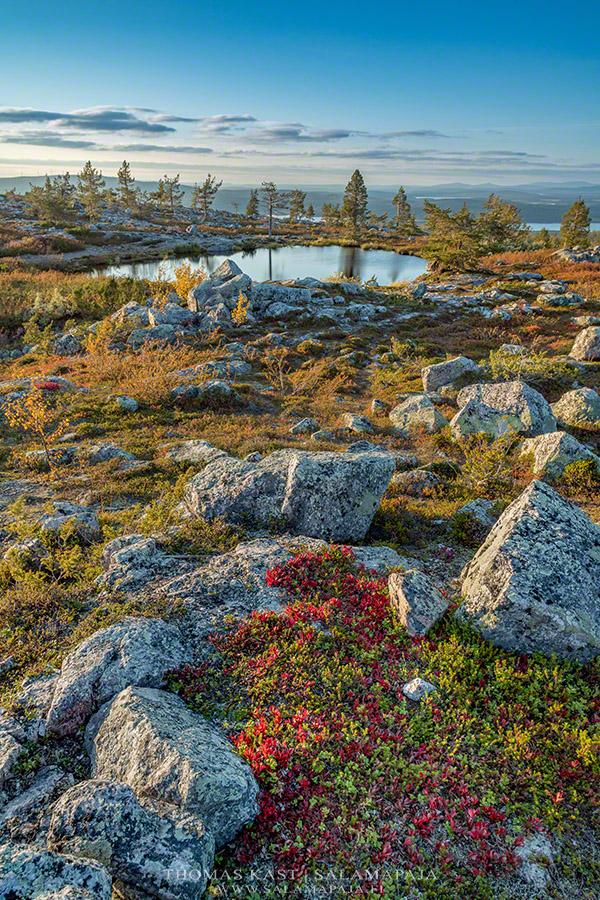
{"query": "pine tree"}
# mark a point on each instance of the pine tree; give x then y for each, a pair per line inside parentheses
(64, 189)
(310, 213)
(500, 226)
(355, 205)
(174, 192)
(55, 201)
(545, 238)
(376, 221)
(404, 221)
(453, 242)
(89, 190)
(273, 200)
(204, 194)
(195, 203)
(297, 210)
(168, 194)
(575, 225)
(331, 215)
(252, 208)
(159, 197)
(126, 191)
(40, 201)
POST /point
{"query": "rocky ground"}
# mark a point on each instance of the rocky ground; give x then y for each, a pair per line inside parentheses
(300, 586)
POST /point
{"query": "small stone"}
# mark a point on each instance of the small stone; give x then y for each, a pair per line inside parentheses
(417, 413)
(357, 423)
(535, 850)
(10, 751)
(579, 409)
(379, 407)
(416, 483)
(552, 453)
(587, 345)
(305, 426)
(322, 435)
(128, 404)
(515, 401)
(82, 519)
(417, 689)
(416, 600)
(447, 372)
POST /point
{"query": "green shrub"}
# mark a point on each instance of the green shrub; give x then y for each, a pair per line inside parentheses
(581, 477)
(530, 366)
(467, 530)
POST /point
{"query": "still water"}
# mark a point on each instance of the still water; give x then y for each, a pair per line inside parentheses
(287, 263)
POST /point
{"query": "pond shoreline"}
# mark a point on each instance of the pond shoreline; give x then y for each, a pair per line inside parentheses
(159, 246)
(285, 263)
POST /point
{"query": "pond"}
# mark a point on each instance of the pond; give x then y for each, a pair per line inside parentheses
(287, 263)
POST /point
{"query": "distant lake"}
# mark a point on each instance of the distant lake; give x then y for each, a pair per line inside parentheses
(555, 226)
(287, 263)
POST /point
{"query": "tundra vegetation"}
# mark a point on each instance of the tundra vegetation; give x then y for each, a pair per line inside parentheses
(283, 522)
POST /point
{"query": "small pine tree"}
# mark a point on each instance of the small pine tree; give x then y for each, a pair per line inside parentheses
(89, 190)
(545, 238)
(204, 194)
(500, 226)
(273, 200)
(404, 220)
(575, 226)
(331, 215)
(168, 195)
(174, 192)
(252, 207)
(354, 209)
(126, 191)
(159, 198)
(310, 213)
(453, 242)
(55, 201)
(297, 201)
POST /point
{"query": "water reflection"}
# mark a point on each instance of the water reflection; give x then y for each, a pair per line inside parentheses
(287, 263)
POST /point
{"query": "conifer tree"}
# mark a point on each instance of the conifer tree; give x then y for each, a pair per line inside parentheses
(274, 200)
(355, 205)
(168, 194)
(404, 221)
(331, 215)
(453, 242)
(204, 194)
(252, 207)
(297, 201)
(500, 226)
(54, 201)
(126, 191)
(575, 225)
(310, 213)
(89, 190)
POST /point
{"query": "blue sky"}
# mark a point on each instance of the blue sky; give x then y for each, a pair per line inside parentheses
(416, 93)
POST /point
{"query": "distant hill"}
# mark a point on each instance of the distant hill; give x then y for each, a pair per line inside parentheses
(539, 202)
